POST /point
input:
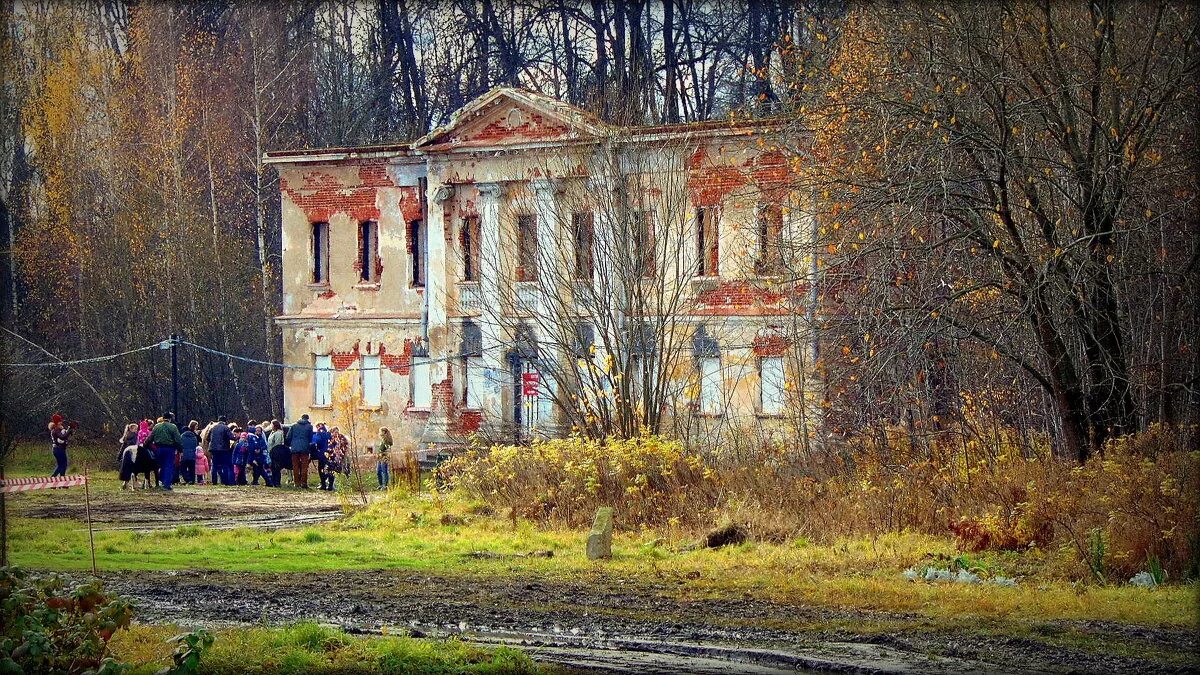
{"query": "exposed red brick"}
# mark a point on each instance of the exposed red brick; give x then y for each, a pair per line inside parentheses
(443, 395)
(343, 360)
(740, 298)
(325, 295)
(535, 127)
(467, 422)
(410, 204)
(401, 363)
(770, 345)
(709, 184)
(322, 194)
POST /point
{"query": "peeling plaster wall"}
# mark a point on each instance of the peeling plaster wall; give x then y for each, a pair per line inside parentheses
(347, 318)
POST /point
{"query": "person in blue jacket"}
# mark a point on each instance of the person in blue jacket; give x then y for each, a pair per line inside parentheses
(241, 455)
(260, 460)
(299, 440)
(320, 449)
(187, 463)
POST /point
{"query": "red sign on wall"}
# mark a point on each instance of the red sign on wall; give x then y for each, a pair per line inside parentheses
(529, 382)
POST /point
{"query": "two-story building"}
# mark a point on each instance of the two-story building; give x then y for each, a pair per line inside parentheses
(528, 269)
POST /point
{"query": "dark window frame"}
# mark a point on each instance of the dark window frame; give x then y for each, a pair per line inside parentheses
(708, 241)
(643, 241)
(470, 236)
(368, 252)
(583, 229)
(770, 239)
(417, 242)
(320, 253)
(527, 247)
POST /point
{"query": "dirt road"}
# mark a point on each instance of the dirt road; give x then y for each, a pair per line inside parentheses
(208, 506)
(618, 625)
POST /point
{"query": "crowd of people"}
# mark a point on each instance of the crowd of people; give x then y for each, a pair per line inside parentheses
(225, 453)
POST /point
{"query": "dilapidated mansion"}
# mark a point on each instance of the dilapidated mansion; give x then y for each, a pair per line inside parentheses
(530, 270)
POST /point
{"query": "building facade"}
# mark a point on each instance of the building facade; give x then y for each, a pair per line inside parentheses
(529, 270)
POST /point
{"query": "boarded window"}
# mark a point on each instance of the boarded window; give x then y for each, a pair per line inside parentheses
(320, 253)
(470, 248)
(771, 382)
(643, 244)
(770, 240)
(416, 251)
(368, 251)
(372, 382)
(708, 237)
(710, 385)
(422, 388)
(583, 225)
(323, 380)
(476, 382)
(527, 248)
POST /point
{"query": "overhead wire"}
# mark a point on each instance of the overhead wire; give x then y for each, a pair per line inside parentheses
(95, 359)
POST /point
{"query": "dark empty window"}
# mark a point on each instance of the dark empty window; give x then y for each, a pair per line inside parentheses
(368, 251)
(708, 246)
(527, 252)
(320, 252)
(470, 248)
(416, 251)
(643, 244)
(584, 229)
(770, 239)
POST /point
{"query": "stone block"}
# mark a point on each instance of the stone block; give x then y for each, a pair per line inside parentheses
(599, 541)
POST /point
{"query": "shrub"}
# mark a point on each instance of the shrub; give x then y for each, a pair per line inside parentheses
(994, 490)
(47, 627)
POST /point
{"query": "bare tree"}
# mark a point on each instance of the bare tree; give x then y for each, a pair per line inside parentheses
(999, 184)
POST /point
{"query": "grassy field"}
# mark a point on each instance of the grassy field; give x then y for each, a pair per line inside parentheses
(413, 532)
(310, 648)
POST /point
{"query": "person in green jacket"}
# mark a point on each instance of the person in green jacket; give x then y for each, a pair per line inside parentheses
(167, 442)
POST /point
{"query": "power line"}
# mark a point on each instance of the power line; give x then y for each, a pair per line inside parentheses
(164, 344)
(95, 359)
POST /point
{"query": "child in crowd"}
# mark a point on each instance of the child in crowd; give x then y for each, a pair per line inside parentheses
(202, 466)
(260, 459)
(241, 455)
(332, 464)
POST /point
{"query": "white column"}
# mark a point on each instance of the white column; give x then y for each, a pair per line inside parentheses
(551, 272)
(548, 244)
(437, 294)
(608, 276)
(491, 272)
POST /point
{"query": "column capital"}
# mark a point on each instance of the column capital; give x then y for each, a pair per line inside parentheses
(546, 187)
(443, 192)
(490, 190)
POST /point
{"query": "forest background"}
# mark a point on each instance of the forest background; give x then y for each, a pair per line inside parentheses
(1008, 237)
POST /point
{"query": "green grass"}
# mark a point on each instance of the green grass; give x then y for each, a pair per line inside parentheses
(35, 459)
(311, 648)
(404, 533)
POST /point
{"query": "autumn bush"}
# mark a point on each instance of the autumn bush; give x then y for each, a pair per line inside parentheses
(998, 490)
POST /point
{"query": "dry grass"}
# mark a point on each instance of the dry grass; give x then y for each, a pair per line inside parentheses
(1107, 519)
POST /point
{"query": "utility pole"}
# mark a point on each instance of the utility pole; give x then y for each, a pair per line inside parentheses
(175, 377)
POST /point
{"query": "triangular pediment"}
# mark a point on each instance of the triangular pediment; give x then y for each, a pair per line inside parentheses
(507, 116)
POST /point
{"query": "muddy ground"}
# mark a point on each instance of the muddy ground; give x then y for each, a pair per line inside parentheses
(209, 506)
(614, 620)
(601, 623)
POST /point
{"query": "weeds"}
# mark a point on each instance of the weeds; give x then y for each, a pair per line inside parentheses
(1141, 497)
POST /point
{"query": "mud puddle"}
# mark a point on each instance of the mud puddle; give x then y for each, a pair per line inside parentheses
(607, 625)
